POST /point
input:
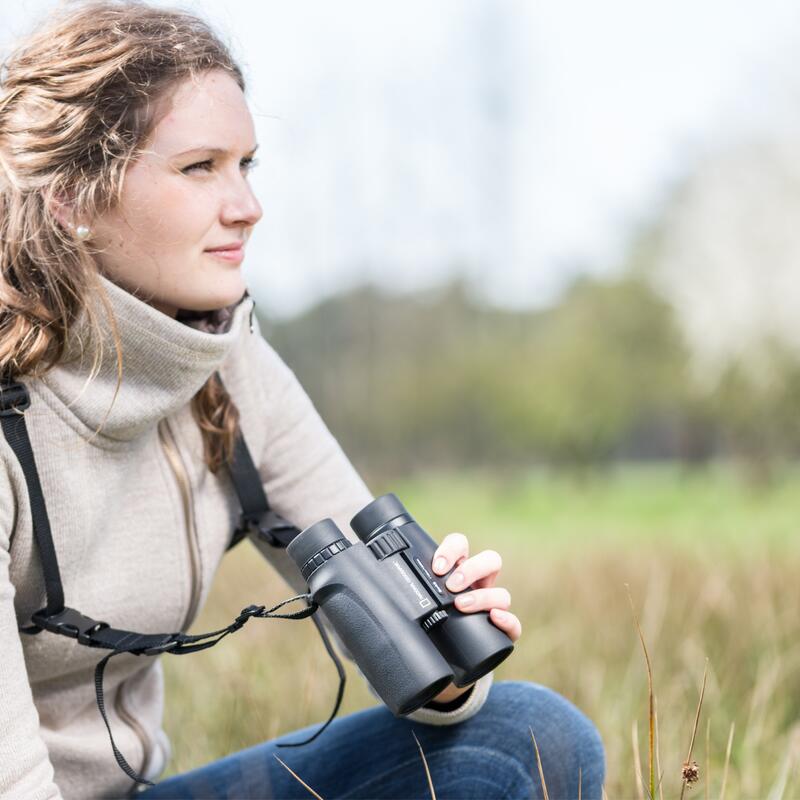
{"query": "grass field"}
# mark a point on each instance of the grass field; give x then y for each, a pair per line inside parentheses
(713, 569)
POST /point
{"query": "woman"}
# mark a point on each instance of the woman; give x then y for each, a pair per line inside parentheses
(125, 145)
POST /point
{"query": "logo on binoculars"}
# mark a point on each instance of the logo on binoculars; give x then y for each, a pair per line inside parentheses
(423, 601)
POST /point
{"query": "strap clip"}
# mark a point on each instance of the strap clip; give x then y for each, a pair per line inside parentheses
(14, 399)
(72, 623)
(265, 526)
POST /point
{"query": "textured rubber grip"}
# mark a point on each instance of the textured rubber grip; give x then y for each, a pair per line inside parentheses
(405, 679)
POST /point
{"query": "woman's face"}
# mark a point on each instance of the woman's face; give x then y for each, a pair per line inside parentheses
(185, 195)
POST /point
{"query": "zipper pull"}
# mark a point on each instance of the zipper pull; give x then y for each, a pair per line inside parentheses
(252, 309)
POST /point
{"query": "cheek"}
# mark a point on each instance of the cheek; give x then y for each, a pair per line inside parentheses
(164, 213)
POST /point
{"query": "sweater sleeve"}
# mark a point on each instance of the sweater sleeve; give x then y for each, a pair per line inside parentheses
(308, 477)
(25, 769)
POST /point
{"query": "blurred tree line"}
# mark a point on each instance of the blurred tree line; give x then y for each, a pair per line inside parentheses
(438, 379)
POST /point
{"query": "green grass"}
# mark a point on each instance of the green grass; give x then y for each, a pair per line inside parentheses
(713, 572)
(627, 506)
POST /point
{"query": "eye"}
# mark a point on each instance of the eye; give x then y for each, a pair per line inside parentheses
(204, 165)
(248, 162)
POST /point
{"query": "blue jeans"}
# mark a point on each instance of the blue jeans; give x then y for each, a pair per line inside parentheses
(372, 754)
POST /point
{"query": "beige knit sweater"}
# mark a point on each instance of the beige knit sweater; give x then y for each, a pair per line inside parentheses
(140, 525)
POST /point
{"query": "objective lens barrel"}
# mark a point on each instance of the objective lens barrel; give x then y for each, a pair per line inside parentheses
(470, 643)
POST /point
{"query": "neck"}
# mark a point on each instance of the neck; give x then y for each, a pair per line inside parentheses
(164, 308)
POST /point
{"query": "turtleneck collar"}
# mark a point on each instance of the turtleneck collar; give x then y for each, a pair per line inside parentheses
(165, 361)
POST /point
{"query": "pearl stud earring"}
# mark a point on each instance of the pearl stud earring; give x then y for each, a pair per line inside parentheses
(83, 231)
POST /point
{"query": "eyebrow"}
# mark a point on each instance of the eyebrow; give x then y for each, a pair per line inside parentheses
(209, 149)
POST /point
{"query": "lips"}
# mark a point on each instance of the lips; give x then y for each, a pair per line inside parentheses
(226, 248)
(232, 253)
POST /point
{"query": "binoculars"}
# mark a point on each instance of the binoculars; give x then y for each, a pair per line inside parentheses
(394, 615)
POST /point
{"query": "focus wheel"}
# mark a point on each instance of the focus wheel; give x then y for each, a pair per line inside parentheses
(434, 619)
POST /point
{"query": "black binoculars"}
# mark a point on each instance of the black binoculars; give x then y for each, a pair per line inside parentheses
(394, 615)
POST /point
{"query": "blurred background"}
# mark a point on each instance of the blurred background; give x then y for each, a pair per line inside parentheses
(536, 265)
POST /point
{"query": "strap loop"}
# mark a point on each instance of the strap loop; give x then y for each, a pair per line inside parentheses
(69, 622)
(14, 399)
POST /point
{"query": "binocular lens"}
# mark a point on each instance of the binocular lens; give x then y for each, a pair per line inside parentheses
(378, 513)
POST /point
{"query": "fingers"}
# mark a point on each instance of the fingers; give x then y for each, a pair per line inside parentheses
(496, 601)
(507, 622)
(483, 599)
(480, 573)
(454, 548)
(480, 570)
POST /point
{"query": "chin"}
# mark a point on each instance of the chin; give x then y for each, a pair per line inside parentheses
(224, 293)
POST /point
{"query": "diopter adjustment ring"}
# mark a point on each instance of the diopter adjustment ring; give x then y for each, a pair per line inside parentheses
(320, 558)
(434, 619)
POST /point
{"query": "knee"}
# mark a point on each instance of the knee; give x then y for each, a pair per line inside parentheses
(569, 744)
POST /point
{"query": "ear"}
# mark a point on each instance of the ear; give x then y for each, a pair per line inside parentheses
(61, 207)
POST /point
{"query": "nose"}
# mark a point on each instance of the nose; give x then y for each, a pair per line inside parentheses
(240, 207)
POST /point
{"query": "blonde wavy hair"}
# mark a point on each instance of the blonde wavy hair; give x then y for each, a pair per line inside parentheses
(78, 100)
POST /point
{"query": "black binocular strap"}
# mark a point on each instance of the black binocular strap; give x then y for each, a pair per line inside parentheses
(58, 618)
(257, 516)
(14, 399)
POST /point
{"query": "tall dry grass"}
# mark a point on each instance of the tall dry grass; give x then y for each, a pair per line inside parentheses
(730, 599)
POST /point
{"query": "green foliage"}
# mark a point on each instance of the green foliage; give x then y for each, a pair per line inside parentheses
(438, 379)
(758, 413)
(605, 358)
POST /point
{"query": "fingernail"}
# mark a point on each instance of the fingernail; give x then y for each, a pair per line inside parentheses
(464, 600)
(500, 616)
(456, 579)
(440, 565)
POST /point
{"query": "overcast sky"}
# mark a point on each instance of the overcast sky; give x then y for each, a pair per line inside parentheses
(515, 141)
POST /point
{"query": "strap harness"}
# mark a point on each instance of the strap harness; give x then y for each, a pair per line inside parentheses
(256, 518)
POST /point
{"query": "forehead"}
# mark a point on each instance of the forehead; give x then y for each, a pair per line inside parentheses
(209, 108)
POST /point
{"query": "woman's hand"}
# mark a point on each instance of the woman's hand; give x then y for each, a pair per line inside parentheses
(479, 572)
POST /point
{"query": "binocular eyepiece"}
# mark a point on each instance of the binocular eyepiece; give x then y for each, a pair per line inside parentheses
(393, 614)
